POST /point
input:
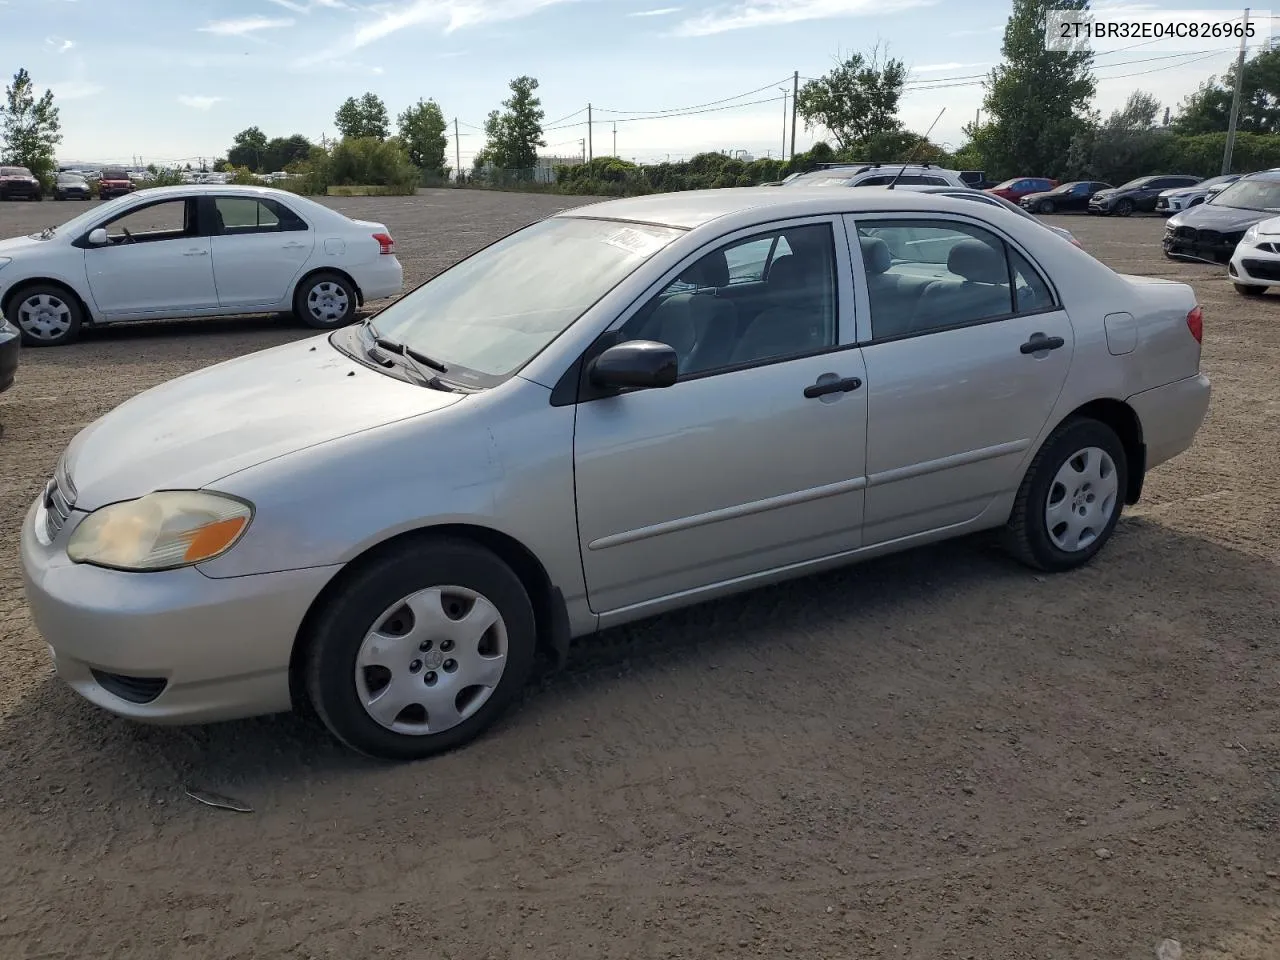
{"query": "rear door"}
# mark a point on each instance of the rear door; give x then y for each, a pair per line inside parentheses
(260, 246)
(963, 369)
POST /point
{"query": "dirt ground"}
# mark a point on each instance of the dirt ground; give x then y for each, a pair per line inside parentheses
(937, 755)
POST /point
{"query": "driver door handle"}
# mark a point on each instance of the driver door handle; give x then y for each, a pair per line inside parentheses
(1039, 342)
(293, 246)
(825, 387)
(196, 253)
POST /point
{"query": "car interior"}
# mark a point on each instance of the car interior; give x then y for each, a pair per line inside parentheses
(165, 220)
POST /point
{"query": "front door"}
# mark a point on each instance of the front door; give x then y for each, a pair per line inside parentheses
(155, 263)
(754, 458)
(963, 370)
(259, 247)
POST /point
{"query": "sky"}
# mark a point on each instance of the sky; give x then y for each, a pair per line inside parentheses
(174, 80)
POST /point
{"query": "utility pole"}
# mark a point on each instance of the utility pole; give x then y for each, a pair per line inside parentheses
(795, 98)
(590, 145)
(615, 138)
(1235, 100)
(582, 144)
(457, 150)
(785, 93)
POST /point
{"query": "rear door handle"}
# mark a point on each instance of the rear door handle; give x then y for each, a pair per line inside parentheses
(293, 246)
(1039, 342)
(196, 253)
(825, 387)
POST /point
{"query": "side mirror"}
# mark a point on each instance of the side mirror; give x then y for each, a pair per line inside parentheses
(98, 238)
(636, 363)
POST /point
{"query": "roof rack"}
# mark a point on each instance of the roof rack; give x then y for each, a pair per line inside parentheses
(871, 164)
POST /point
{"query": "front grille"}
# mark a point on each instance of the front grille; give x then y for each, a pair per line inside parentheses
(1262, 269)
(133, 689)
(1185, 233)
(1269, 247)
(1208, 236)
(59, 498)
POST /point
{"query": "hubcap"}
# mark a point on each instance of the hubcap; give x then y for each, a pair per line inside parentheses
(327, 302)
(1081, 499)
(431, 661)
(44, 316)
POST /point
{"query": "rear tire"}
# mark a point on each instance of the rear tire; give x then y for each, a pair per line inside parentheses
(46, 316)
(1070, 499)
(325, 301)
(400, 632)
(1248, 290)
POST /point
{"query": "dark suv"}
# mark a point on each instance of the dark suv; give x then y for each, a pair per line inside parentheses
(115, 182)
(1140, 194)
(18, 183)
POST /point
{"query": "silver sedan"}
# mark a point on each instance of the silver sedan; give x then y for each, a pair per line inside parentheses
(623, 409)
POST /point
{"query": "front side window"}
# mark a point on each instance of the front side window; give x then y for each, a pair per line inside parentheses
(492, 313)
(790, 313)
(924, 276)
(167, 220)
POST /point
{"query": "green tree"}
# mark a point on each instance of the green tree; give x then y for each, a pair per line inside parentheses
(422, 128)
(856, 101)
(283, 152)
(1208, 110)
(30, 130)
(1037, 101)
(248, 150)
(1126, 145)
(515, 134)
(365, 118)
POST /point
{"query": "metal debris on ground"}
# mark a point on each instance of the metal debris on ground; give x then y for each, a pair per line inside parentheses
(208, 798)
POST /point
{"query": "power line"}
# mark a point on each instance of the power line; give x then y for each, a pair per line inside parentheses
(671, 116)
(698, 106)
(569, 116)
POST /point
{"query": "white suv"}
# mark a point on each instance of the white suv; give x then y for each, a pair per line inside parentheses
(879, 175)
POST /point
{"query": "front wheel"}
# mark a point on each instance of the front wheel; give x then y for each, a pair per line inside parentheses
(325, 301)
(47, 316)
(1046, 206)
(421, 651)
(1248, 290)
(1071, 498)
(1124, 208)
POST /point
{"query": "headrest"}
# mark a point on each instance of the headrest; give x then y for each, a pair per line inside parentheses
(786, 271)
(711, 271)
(975, 261)
(875, 254)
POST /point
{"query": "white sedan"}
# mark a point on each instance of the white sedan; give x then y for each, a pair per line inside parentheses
(195, 251)
(1255, 265)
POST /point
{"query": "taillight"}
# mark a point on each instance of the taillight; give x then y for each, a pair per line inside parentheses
(385, 243)
(1077, 243)
(1195, 323)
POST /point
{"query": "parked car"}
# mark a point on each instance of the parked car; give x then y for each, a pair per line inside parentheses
(878, 175)
(114, 182)
(1017, 188)
(19, 183)
(1255, 264)
(1184, 198)
(558, 435)
(10, 345)
(981, 196)
(195, 251)
(1211, 230)
(71, 186)
(1067, 196)
(1140, 194)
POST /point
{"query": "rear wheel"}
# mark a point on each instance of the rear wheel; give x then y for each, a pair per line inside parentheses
(325, 301)
(47, 316)
(1071, 498)
(1249, 290)
(421, 651)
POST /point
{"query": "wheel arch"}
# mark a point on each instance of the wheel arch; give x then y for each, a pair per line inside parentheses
(550, 612)
(314, 271)
(1123, 419)
(24, 284)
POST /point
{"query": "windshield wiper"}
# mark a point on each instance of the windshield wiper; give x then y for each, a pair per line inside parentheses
(416, 361)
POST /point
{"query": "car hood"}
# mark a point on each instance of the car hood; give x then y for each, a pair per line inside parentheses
(1209, 216)
(1044, 195)
(9, 248)
(192, 431)
(1183, 191)
(1113, 192)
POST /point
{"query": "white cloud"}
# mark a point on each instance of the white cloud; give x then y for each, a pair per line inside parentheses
(75, 89)
(451, 14)
(941, 67)
(245, 26)
(298, 7)
(977, 33)
(291, 5)
(746, 14)
(660, 12)
(199, 103)
(59, 44)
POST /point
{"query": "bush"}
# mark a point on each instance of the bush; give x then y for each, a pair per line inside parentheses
(367, 161)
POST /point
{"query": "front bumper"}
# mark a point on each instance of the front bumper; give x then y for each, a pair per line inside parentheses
(1256, 266)
(1100, 206)
(1168, 207)
(1171, 416)
(1200, 244)
(174, 646)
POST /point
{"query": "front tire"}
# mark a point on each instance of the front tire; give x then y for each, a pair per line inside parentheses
(325, 301)
(47, 316)
(1248, 290)
(1046, 206)
(1124, 208)
(1071, 497)
(421, 651)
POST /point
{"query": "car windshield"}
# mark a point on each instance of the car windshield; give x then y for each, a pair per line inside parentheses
(1068, 187)
(1250, 195)
(114, 175)
(15, 172)
(70, 178)
(1215, 181)
(1134, 184)
(101, 211)
(489, 315)
(1006, 184)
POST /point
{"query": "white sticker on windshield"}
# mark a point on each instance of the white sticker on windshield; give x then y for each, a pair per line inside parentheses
(634, 241)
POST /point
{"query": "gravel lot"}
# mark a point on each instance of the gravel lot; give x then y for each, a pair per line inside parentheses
(937, 755)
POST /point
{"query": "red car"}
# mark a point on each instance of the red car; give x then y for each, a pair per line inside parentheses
(1017, 188)
(115, 182)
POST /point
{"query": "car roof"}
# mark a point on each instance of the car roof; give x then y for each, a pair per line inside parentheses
(222, 189)
(690, 209)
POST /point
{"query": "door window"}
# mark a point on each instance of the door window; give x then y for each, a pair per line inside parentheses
(781, 305)
(235, 216)
(926, 275)
(167, 220)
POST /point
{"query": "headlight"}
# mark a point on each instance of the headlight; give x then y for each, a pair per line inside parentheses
(161, 531)
(1250, 235)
